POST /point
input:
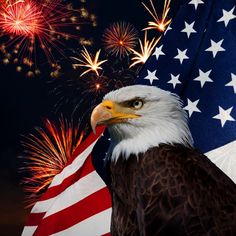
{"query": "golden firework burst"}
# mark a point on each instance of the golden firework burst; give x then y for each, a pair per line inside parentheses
(119, 38)
(46, 153)
(146, 48)
(92, 63)
(158, 23)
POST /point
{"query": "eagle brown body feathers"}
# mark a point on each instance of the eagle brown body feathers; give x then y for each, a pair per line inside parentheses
(171, 190)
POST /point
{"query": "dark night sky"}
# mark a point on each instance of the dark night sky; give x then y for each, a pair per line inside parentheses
(25, 101)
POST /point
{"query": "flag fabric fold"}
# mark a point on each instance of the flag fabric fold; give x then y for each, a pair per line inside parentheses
(196, 60)
(77, 201)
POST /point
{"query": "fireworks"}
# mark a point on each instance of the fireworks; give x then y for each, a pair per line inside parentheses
(96, 86)
(120, 38)
(47, 152)
(146, 50)
(158, 23)
(82, 93)
(93, 64)
(31, 26)
(21, 19)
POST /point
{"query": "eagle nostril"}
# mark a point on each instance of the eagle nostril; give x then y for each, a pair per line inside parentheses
(108, 107)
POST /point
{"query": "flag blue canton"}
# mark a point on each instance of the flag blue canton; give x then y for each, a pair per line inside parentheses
(196, 59)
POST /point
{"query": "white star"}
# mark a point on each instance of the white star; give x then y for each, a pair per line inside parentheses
(174, 80)
(224, 115)
(203, 77)
(168, 28)
(181, 55)
(232, 82)
(189, 29)
(215, 47)
(227, 16)
(196, 3)
(192, 107)
(158, 52)
(151, 76)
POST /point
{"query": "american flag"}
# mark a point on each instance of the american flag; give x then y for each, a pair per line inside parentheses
(196, 58)
(77, 201)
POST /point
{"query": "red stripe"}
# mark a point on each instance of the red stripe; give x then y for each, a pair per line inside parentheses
(93, 204)
(85, 169)
(107, 234)
(89, 140)
(35, 219)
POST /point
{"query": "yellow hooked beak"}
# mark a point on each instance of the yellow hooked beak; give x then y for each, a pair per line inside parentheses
(109, 112)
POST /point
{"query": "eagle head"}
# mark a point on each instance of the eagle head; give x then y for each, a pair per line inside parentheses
(139, 117)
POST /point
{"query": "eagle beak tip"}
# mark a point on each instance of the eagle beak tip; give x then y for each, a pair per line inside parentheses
(94, 131)
(93, 125)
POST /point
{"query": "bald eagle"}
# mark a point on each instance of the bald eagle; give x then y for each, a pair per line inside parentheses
(160, 184)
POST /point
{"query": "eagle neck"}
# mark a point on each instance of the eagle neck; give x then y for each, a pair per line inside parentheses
(139, 140)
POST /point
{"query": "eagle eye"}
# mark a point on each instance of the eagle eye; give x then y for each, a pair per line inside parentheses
(137, 104)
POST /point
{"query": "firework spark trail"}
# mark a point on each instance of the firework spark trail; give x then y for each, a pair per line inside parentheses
(93, 64)
(46, 153)
(146, 48)
(158, 23)
(11, 2)
(119, 38)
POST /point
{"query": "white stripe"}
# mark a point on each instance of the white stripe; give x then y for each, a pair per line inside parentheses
(43, 206)
(73, 167)
(86, 186)
(28, 230)
(95, 225)
(225, 158)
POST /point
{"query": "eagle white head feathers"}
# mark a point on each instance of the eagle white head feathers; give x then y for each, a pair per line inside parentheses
(140, 117)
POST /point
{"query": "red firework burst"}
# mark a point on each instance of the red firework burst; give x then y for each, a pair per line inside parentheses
(37, 24)
(21, 18)
(119, 38)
